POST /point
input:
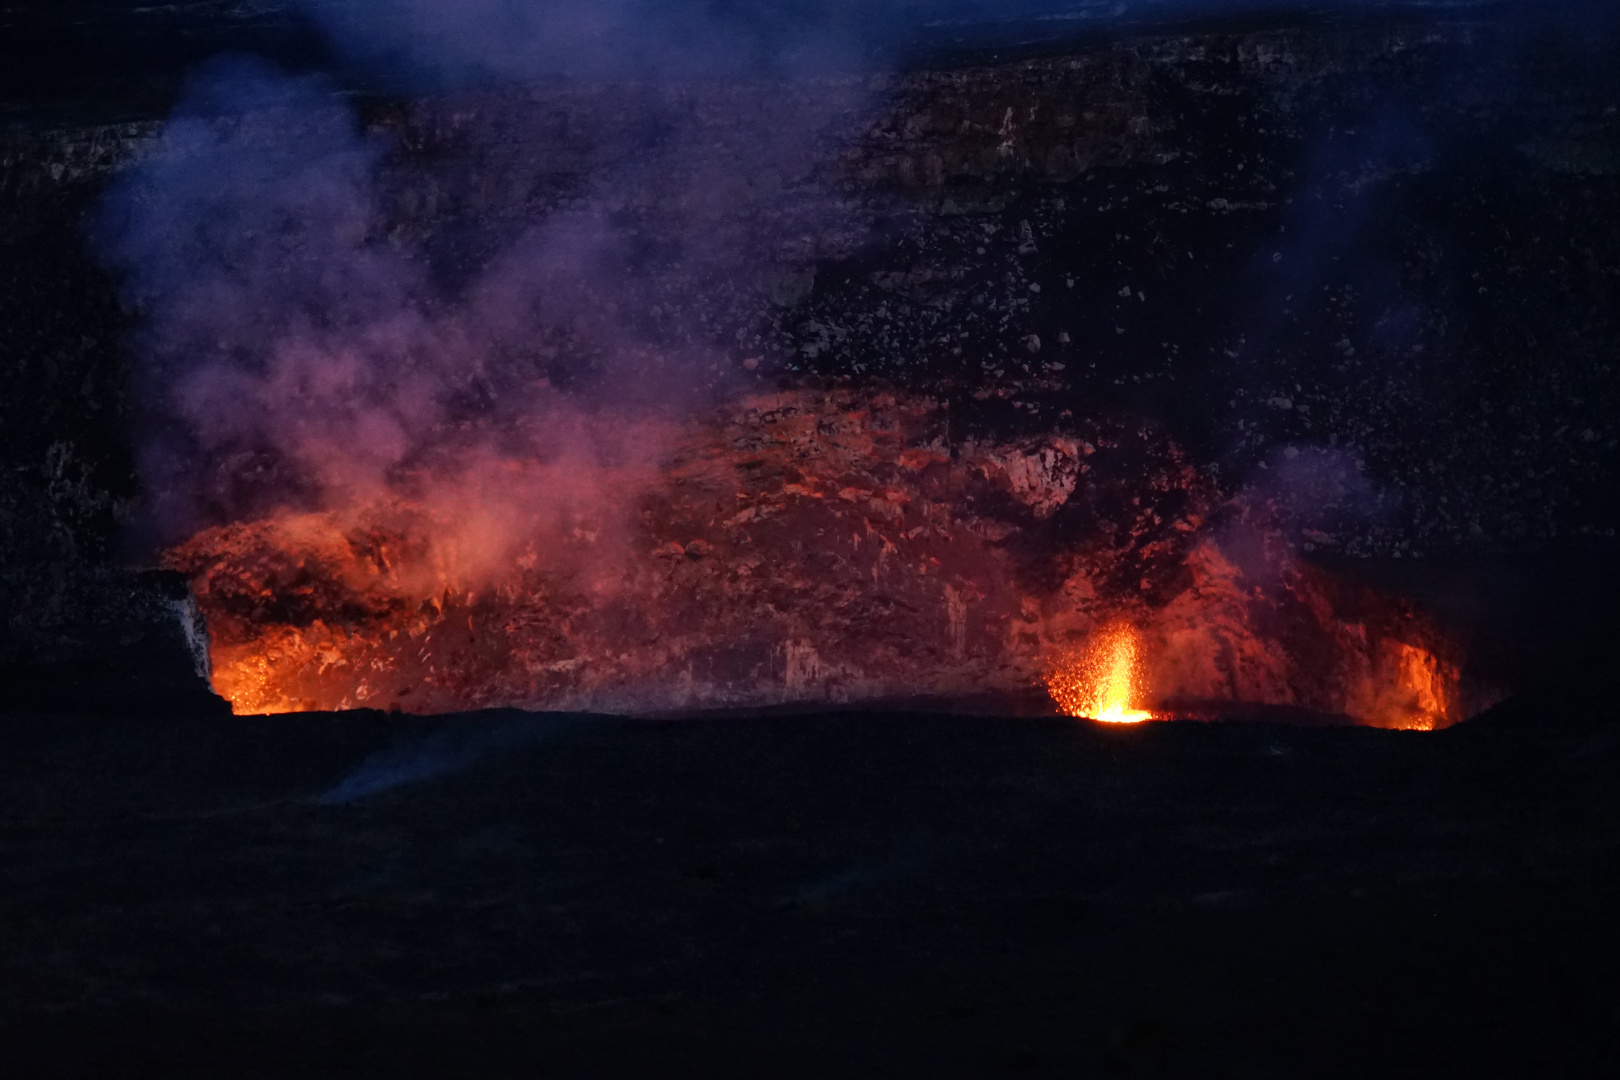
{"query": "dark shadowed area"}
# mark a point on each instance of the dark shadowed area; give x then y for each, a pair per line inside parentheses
(869, 894)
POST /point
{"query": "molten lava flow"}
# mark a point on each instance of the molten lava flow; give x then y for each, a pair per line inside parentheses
(1103, 682)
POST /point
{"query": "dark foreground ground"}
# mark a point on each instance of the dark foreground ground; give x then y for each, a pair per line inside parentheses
(833, 895)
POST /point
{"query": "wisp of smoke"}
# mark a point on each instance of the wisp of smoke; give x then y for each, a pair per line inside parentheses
(440, 754)
(295, 352)
(285, 348)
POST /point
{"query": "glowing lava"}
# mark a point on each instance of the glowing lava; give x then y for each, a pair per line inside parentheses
(801, 547)
(1103, 683)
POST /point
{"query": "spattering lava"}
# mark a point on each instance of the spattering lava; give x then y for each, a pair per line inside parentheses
(800, 548)
(1103, 681)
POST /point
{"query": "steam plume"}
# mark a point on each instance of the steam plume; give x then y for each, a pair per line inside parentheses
(298, 349)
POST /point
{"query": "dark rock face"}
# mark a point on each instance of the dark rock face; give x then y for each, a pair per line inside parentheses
(1369, 271)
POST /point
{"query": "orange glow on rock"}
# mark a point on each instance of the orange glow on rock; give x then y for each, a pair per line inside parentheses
(1419, 693)
(798, 548)
(1104, 681)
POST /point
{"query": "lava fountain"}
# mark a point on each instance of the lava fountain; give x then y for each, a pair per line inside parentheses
(1104, 681)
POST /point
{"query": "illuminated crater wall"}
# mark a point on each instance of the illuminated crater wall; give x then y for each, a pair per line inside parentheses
(1333, 237)
(801, 547)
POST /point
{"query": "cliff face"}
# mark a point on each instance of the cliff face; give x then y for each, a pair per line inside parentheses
(1367, 274)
